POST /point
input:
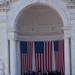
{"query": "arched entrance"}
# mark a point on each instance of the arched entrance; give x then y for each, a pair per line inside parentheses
(38, 22)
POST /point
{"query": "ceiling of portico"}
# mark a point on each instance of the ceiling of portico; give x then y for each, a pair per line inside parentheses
(39, 20)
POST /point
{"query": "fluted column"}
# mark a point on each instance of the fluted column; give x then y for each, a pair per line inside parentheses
(67, 56)
(13, 67)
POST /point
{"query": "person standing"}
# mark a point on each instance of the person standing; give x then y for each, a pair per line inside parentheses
(25, 73)
(39, 72)
(33, 73)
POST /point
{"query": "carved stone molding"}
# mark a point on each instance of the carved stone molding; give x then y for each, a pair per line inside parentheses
(40, 20)
(66, 28)
(70, 3)
(4, 4)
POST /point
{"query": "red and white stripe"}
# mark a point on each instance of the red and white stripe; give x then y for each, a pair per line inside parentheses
(62, 66)
(26, 59)
(59, 57)
(43, 61)
(48, 55)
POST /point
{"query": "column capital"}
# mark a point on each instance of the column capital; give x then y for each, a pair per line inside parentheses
(12, 39)
(67, 37)
(12, 35)
(17, 40)
(66, 28)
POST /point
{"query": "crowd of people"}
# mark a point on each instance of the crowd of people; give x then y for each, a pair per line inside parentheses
(39, 72)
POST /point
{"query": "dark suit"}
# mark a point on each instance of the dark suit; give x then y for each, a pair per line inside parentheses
(33, 73)
(39, 72)
(25, 74)
(51, 73)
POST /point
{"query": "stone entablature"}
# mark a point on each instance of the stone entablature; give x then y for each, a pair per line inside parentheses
(70, 3)
(4, 4)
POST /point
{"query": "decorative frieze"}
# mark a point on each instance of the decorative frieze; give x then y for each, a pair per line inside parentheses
(70, 3)
(4, 9)
(4, 4)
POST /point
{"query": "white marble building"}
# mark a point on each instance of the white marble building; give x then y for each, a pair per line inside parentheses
(32, 20)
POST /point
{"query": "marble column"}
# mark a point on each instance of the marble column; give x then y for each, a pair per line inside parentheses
(13, 64)
(73, 55)
(33, 60)
(18, 59)
(53, 58)
(67, 56)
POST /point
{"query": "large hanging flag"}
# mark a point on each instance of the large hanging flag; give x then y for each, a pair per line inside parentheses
(59, 55)
(39, 55)
(57, 58)
(26, 56)
(43, 55)
(62, 63)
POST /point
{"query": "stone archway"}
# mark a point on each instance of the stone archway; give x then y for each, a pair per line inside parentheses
(39, 20)
(29, 25)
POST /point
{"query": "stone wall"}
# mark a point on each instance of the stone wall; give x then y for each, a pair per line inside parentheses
(7, 25)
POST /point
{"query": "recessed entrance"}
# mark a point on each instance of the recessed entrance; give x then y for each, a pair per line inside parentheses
(37, 23)
(39, 20)
(42, 55)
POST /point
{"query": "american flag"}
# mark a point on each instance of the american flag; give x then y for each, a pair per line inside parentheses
(26, 56)
(59, 55)
(43, 55)
(40, 52)
(39, 55)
